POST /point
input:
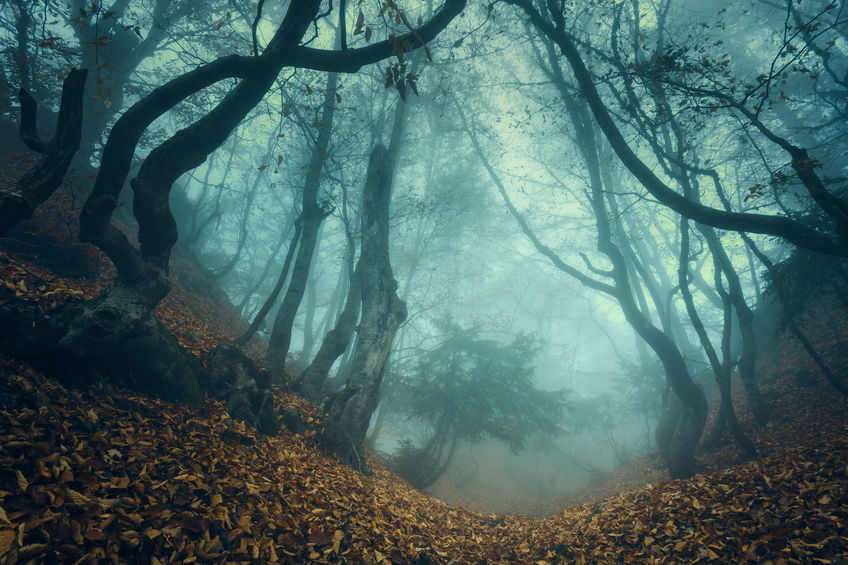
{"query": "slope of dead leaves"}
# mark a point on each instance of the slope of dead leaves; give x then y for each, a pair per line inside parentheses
(106, 476)
(91, 476)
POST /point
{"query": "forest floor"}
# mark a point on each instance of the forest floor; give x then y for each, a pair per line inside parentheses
(98, 474)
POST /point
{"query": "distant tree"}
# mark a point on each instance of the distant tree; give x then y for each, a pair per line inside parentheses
(311, 380)
(794, 282)
(312, 214)
(469, 389)
(679, 430)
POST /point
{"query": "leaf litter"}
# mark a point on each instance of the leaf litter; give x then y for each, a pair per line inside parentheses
(107, 476)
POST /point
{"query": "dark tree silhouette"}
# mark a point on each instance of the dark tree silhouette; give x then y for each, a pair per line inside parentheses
(17, 202)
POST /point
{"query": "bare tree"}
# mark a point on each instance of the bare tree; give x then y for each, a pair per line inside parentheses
(382, 312)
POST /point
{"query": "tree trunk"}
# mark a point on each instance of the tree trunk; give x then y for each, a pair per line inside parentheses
(313, 216)
(311, 381)
(281, 280)
(311, 300)
(678, 445)
(685, 426)
(748, 359)
(107, 328)
(272, 259)
(19, 201)
(721, 368)
(382, 313)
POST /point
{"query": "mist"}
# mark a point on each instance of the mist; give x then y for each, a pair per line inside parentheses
(562, 240)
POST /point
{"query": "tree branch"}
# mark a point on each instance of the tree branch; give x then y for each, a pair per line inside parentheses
(522, 223)
(351, 60)
(735, 221)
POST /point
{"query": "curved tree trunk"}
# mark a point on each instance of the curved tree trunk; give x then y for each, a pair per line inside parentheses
(382, 313)
(682, 423)
(19, 201)
(311, 381)
(721, 368)
(116, 332)
(677, 434)
(678, 447)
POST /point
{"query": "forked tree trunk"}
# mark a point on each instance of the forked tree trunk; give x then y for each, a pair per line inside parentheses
(382, 313)
(19, 201)
(720, 367)
(748, 359)
(116, 333)
(685, 414)
(311, 381)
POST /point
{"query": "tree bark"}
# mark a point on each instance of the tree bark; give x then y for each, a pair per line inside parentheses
(382, 313)
(116, 333)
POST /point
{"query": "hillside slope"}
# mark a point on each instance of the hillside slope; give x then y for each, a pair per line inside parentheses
(101, 475)
(90, 476)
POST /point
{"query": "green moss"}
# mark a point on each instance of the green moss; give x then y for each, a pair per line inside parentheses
(183, 369)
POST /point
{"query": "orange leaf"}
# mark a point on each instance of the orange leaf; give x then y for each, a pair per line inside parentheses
(94, 534)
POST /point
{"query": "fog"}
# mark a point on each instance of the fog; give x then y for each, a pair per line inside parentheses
(459, 255)
(523, 238)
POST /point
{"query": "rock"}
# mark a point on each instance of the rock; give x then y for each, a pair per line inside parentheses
(292, 421)
(234, 380)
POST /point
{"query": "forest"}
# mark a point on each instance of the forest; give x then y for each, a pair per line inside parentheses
(424, 282)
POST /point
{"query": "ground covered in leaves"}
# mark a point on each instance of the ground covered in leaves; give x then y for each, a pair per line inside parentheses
(101, 475)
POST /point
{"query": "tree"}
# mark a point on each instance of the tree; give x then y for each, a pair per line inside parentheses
(669, 141)
(468, 389)
(550, 21)
(678, 432)
(118, 324)
(312, 216)
(350, 410)
(17, 202)
(311, 381)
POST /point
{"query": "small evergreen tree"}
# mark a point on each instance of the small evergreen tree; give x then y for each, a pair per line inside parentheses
(469, 389)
